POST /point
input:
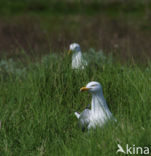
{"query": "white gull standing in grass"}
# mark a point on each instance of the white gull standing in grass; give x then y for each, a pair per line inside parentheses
(78, 61)
(99, 113)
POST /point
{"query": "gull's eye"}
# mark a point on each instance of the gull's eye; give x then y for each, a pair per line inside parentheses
(93, 85)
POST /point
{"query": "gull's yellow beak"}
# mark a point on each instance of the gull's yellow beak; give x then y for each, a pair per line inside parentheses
(84, 89)
(69, 52)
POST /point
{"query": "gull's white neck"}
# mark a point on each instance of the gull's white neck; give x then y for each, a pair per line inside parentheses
(98, 102)
(77, 59)
(77, 55)
(99, 109)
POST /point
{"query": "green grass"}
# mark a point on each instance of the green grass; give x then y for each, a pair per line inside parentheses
(37, 108)
(46, 7)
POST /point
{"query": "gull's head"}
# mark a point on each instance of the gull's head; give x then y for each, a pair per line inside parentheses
(92, 87)
(74, 47)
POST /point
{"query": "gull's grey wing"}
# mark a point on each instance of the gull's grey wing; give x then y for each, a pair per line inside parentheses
(85, 118)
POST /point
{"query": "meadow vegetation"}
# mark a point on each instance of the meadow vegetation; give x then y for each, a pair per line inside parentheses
(39, 92)
(37, 106)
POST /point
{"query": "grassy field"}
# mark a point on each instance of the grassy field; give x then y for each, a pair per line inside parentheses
(37, 106)
(39, 92)
(117, 26)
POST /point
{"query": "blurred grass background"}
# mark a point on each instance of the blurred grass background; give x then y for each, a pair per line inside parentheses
(39, 27)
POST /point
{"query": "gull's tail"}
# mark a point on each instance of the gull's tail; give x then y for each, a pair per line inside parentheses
(77, 114)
